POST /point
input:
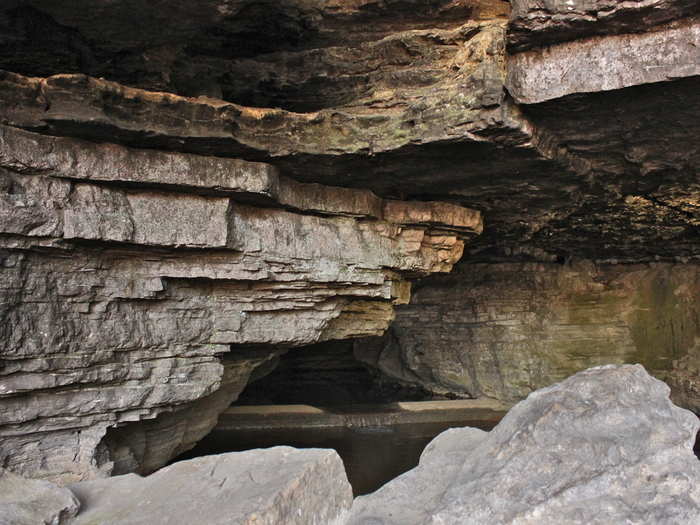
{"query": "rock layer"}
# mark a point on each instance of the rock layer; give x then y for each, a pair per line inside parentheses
(604, 446)
(156, 248)
(129, 274)
(503, 330)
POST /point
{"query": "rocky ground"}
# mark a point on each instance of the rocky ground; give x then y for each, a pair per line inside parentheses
(604, 446)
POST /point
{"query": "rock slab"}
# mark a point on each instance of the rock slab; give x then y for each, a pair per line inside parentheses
(280, 485)
(604, 446)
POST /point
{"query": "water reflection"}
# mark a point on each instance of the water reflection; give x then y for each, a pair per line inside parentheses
(372, 455)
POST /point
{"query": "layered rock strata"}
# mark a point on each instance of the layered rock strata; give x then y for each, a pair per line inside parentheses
(503, 330)
(131, 277)
(158, 248)
(615, 86)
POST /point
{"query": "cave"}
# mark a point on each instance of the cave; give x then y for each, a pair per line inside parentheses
(323, 396)
(456, 241)
(326, 374)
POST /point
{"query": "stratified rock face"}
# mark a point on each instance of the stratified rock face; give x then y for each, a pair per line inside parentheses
(155, 249)
(615, 84)
(128, 274)
(604, 446)
(202, 50)
(503, 330)
(34, 502)
(266, 487)
(536, 23)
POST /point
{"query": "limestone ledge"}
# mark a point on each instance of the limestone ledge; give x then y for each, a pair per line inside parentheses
(606, 63)
(141, 288)
(541, 23)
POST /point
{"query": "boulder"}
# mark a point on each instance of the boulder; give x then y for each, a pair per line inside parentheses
(280, 485)
(604, 446)
(34, 502)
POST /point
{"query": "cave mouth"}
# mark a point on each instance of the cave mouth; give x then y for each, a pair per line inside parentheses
(326, 375)
(321, 396)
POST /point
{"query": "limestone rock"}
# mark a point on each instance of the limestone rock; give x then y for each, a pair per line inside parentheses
(620, 96)
(34, 502)
(605, 63)
(200, 49)
(266, 486)
(539, 23)
(161, 233)
(133, 280)
(604, 446)
(504, 330)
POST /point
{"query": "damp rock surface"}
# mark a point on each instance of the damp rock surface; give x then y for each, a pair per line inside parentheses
(604, 446)
(280, 485)
(503, 330)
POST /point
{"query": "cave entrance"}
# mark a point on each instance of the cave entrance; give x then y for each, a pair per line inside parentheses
(326, 375)
(320, 396)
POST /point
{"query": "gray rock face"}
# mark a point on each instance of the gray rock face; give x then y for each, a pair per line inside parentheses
(503, 330)
(604, 446)
(136, 274)
(535, 23)
(605, 63)
(275, 486)
(34, 502)
(131, 282)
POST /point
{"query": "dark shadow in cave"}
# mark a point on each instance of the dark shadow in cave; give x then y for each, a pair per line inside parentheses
(340, 404)
(326, 375)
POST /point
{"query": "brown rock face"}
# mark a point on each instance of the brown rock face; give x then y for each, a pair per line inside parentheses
(503, 330)
(188, 190)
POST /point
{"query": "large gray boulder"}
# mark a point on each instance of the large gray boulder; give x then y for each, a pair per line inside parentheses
(274, 486)
(604, 446)
(34, 502)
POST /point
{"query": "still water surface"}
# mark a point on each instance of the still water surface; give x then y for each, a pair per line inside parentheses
(372, 455)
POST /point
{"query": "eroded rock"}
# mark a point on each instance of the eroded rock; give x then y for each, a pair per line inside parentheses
(34, 502)
(604, 446)
(270, 486)
(129, 274)
(503, 330)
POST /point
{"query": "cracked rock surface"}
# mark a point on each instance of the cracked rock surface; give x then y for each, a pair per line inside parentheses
(603, 446)
(185, 193)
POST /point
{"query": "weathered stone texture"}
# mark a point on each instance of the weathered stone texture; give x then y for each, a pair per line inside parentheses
(155, 248)
(539, 23)
(605, 63)
(34, 502)
(267, 487)
(121, 297)
(503, 330)
(604, 446)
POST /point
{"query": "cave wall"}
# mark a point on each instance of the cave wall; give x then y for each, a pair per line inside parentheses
(504, 330)
(134, 281)
(162, 235)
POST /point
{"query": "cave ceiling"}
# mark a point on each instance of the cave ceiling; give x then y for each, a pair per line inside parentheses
(535, 113)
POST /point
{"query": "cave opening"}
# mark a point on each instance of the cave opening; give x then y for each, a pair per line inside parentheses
(325, 375)
(322, 396)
